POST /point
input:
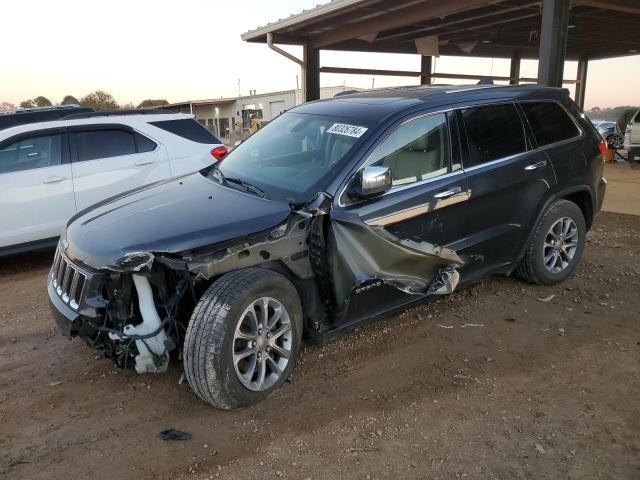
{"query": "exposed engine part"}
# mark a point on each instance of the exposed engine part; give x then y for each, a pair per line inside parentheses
(153, 356)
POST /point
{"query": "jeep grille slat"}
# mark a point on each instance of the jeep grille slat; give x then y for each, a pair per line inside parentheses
(67, 279)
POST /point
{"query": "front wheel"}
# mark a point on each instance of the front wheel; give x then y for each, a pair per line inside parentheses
(243, 338)
(556, 246)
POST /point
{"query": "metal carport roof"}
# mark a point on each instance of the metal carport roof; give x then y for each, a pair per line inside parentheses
(576, 30)
(597, 28)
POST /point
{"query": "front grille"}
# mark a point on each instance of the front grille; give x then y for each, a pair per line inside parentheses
(68, 280)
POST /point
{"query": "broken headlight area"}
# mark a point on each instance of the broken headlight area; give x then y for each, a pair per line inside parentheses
(133, 262)
(142, 322)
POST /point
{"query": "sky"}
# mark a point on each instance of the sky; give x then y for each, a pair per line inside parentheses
(191, 49)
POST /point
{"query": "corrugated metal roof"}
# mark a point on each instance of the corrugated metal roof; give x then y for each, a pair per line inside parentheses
(293, 19)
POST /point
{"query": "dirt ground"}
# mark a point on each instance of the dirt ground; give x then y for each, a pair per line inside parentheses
(623, 190)
(502, 380)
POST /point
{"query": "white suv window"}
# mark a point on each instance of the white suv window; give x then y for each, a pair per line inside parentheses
(104, 143)
(415, 151)
(31, 152)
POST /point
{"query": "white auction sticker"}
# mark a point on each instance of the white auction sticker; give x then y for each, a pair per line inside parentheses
(348, 130)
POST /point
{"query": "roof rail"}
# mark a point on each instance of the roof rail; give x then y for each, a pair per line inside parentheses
(117, 113)
(346, 92)
(25, 116)
(50, 108)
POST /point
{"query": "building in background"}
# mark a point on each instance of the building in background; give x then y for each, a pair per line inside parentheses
(231, 119)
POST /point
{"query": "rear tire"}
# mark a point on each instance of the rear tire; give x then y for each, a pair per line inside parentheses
(616, 141)
(224, 354)
(556, 246)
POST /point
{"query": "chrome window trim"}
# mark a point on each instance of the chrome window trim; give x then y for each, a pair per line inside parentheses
(496, 161)
(407, 186)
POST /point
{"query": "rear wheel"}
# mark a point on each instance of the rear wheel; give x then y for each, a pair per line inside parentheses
(615, 141)
(556, 246)
(243, 338)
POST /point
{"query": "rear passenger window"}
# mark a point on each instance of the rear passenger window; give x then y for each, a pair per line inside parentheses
(550, 122)
(187, 128)
(30, 153)
(493, 132)
(415, 151)
(105, 143)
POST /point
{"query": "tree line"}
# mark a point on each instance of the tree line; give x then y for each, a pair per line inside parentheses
(609, 114)
(99, 100)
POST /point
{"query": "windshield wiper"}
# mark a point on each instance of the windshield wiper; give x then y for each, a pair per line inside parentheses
(243, 183)
(250, 187)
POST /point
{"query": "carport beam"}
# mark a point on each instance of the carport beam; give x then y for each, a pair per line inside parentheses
(311, 77)
(514, 71)
(581, 84)
(553, 42)
(426, 63)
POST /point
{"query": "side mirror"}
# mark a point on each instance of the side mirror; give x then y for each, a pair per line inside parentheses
(371, 181)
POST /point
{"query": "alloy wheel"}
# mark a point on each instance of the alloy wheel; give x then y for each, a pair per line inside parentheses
(560, 245)
(262, 344)
(616, 141)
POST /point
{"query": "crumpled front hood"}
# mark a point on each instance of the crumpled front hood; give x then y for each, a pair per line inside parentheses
(169, 217)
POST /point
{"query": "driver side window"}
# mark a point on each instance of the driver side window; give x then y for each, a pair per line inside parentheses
(417, 150)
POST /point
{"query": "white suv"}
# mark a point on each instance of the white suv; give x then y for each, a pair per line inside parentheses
(51, 170)
(632, 137)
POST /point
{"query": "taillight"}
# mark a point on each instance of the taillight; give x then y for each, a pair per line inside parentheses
(219, 152)
(603, 146)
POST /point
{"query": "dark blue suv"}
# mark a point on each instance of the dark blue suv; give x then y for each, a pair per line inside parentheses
(336, 212)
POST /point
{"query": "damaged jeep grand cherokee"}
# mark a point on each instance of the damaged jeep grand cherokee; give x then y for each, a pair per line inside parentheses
(336, 212)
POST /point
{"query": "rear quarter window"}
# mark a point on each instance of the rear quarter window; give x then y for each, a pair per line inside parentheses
(187, 128)
(550, 122)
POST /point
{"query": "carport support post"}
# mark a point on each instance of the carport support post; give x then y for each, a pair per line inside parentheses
(581, 85)
(514, 71)
(311, 73)
(425, 69)
(553, 42)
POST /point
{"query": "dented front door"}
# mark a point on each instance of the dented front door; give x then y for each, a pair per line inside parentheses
(389, 249)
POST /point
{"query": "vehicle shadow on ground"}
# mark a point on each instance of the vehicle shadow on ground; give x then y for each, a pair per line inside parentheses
(26, 262)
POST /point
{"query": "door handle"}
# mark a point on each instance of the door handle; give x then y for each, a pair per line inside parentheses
(448, 193)
(144, 162)
(536, 165)
(53, 179)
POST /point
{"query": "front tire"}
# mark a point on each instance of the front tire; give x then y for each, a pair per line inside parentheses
(556, 246)
(243, 338)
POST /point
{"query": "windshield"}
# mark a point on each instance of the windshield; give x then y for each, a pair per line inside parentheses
(293, 155)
